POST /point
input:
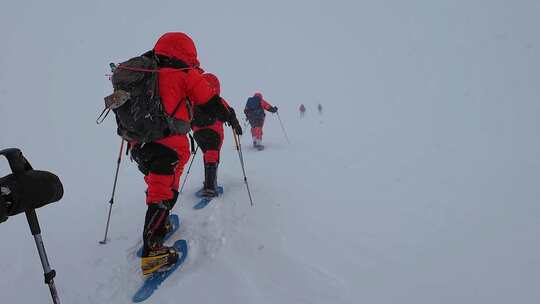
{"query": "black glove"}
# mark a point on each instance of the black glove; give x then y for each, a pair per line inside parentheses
(233, 121)
(273, 109)
(215, 108)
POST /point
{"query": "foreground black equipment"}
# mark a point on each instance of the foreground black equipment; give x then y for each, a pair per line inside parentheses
(25, 190)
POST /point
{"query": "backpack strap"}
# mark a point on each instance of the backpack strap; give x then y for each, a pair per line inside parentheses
(101, 118)
(176, 108)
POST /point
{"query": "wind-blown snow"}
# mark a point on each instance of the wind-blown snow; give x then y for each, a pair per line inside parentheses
(419, 184)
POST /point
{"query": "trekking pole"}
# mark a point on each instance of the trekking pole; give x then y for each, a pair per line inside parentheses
(188, 170)
(239, 149)
(113, 191)
(48, 272)
(194, 153)
(283, 128)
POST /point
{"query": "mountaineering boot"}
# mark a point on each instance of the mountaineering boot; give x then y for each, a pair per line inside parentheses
(168, 227)
(169, 204)
(257, 144)
(157, 257)
(210, 180)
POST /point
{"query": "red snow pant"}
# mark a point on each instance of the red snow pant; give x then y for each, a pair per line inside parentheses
(210, 140)
(257, 128)
(162, 163)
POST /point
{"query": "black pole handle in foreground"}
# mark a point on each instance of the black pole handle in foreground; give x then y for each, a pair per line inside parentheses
(111, 201)
(241, 156)
(19, 165)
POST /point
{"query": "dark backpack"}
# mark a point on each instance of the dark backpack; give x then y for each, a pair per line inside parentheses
(253, 108)
(137, 104)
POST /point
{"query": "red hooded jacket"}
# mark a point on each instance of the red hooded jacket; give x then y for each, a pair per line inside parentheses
(264, 104)
(180, 85)
(217, 126)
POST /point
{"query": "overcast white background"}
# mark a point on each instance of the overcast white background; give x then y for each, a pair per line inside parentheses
(419, 184)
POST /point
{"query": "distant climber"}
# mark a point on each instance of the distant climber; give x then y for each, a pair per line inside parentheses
(254, 110)
(302, 110)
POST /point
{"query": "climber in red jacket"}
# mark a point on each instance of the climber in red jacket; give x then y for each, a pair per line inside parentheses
(182, 86)
(254, 110)
(208, 132)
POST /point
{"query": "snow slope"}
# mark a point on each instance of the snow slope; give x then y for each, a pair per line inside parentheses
(417, 185)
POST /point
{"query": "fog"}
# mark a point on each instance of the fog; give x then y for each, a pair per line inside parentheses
(418, 184)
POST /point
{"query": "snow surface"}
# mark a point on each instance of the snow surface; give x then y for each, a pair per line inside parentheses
(419, 184)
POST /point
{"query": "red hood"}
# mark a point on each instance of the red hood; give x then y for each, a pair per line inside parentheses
(179, 46)
(213, 81)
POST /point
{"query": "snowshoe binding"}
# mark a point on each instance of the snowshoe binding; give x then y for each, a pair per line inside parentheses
(158, 260)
